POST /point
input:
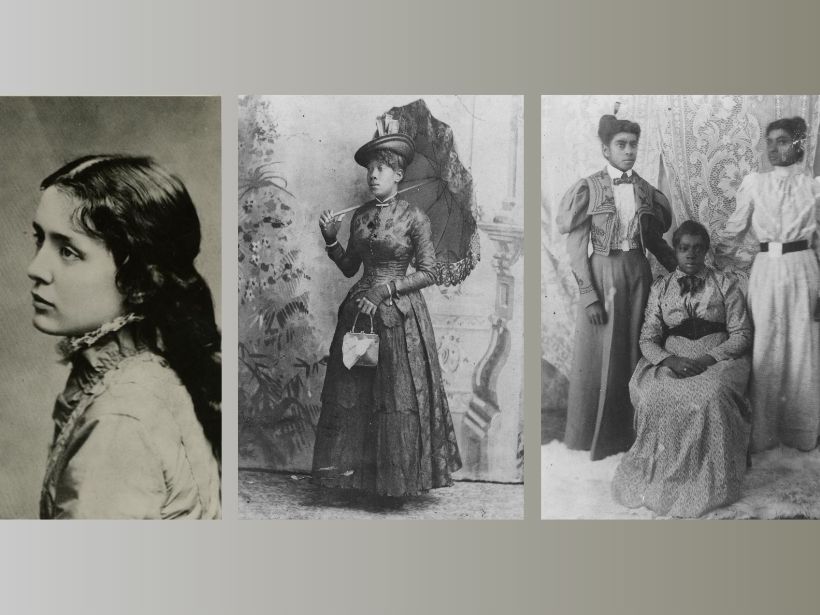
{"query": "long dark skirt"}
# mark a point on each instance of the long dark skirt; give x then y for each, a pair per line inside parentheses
(599, 413)
(387, 429)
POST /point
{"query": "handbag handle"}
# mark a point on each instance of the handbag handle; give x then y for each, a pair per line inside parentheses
(353, 328)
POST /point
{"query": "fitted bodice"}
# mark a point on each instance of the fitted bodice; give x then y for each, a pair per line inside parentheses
(381, 238)
(387, 239)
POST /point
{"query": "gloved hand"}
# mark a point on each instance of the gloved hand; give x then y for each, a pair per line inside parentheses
(370, 300)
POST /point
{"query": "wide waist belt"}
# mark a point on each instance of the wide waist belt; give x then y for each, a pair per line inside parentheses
(775, 247)
(696, 328)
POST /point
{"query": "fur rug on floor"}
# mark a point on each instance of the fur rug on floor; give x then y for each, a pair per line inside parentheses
(782, 484)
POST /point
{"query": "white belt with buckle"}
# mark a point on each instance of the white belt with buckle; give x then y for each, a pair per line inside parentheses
(775, 248)
(626, 245)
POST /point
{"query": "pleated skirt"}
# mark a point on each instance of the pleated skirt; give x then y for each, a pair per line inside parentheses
(387, 429)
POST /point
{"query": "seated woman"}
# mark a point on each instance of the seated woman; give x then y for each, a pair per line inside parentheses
(688, 390)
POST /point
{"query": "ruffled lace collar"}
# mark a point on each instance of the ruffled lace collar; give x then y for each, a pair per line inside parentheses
(91, 356)
(71, 346)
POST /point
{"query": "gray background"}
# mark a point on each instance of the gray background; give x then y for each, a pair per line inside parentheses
(38, 136)
(361, 46)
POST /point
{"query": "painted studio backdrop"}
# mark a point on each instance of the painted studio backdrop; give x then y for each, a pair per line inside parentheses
(39, 136)
(696, 149)
(296, 160)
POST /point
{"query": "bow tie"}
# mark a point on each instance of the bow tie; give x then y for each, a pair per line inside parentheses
(690, 284)
(623, 179)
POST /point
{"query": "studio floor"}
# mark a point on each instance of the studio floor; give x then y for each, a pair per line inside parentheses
(269, 495)
(781, 484)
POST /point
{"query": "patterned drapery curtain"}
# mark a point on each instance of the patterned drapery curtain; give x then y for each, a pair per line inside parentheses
(697, 149)
(710, 143)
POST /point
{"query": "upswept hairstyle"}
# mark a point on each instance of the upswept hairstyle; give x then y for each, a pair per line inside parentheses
(148, 222)
(395, 161)
(609, 126)
(690, 227)
(796, 127)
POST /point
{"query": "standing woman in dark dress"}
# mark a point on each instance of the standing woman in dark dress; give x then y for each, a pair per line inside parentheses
(385, 429)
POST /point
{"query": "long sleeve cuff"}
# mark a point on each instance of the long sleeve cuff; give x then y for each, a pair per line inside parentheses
(654, 353)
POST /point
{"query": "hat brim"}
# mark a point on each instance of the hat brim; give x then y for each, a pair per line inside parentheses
(396, 143)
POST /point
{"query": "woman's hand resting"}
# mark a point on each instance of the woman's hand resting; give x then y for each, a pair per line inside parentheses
(596, 314)
(686, 368)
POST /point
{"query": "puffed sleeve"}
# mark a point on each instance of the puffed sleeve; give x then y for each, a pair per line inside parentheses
(658, 223)
(573, 220)
(738, 323)
(348, 261)
(738, 221)
(425, 255)
(114, 473)
(651, 340)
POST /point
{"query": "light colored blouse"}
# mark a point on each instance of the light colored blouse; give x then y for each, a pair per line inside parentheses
(783, 205)
(719, 300)
(127, 442)
(625, 235)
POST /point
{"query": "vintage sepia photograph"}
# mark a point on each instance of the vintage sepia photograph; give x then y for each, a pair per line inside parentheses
(111, 397)
(380, 307)
(681, 309)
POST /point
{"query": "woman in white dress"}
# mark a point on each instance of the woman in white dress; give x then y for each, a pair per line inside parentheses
(782, 208)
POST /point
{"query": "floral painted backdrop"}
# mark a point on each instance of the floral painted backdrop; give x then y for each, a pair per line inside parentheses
(696, 149)
(280, 358)
(295, 160)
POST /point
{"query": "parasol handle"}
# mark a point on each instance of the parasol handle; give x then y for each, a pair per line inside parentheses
(340, 214)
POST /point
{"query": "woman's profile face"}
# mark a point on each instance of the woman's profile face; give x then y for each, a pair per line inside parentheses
(780, 148)
(74, 289)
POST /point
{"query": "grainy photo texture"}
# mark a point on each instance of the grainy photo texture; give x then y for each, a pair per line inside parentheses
(380, 307)
(681, 320)
(110, 262)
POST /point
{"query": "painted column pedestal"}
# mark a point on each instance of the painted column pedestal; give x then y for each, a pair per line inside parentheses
(485, 407)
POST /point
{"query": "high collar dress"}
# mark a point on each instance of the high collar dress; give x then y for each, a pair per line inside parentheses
(127, 444)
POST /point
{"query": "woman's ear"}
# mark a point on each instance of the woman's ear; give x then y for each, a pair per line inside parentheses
(399, 175)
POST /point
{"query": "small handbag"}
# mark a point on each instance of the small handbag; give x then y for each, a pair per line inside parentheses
(360, 349)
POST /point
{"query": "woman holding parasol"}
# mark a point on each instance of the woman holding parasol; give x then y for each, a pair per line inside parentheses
(386, 429)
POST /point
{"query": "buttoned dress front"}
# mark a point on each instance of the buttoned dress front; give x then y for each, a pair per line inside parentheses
(387, 429)
(127, 443)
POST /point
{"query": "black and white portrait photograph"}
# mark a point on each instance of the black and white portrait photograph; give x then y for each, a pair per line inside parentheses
(380, 307)
(680, 314)
(110, 401)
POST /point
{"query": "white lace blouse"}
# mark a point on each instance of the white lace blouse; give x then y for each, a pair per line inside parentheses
(782, 205)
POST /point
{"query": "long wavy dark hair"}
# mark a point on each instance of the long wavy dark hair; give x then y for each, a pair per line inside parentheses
(148, 222)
